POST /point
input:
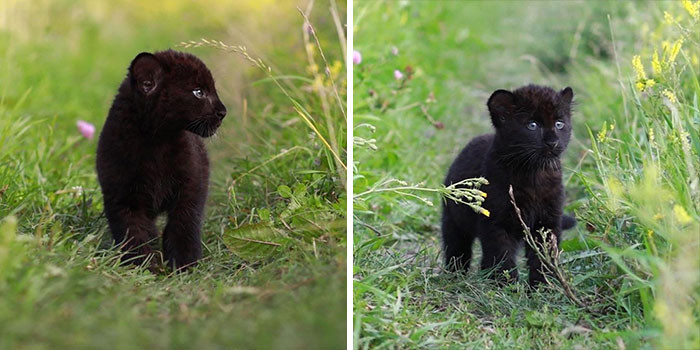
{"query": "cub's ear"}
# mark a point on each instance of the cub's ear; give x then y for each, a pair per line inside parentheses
(146, 73)
(501, 104)
(567, 95)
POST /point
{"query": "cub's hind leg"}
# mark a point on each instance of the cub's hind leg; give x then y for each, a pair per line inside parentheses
(456, 243)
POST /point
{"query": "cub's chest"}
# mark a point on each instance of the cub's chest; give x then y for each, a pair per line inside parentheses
(164, 172)
(541, 196)
(537, 194)
(170, 161)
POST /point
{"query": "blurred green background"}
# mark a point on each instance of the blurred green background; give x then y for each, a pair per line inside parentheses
(273, 179)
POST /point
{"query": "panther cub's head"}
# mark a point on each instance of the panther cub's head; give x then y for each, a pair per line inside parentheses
(533, 123)
(177, 90)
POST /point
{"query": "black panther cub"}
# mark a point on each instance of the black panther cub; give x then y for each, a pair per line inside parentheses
(151, 158)
(533, 127)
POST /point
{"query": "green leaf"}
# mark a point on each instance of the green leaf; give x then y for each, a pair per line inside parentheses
(577, 244)
(284, 191)
(254, 242)
(264, 214)
(537, 319)
(299, 189)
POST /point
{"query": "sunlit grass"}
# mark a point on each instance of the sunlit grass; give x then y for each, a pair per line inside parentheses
(274, 233)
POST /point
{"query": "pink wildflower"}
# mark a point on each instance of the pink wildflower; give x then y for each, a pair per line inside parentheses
(86, 129)
(356, 57)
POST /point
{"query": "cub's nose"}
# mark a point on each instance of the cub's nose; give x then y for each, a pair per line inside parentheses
(552, 144)
(221, 113)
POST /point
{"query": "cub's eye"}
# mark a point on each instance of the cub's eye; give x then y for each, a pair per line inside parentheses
(559, 124)
(532, 125)
(198, 93)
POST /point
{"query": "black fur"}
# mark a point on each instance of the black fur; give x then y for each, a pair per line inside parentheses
(518, 156)
(151, 158)
(567, 222)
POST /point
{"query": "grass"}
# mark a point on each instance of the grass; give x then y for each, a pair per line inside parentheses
(631, 172)
(273, 273)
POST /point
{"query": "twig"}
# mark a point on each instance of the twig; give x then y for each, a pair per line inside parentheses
(286, 225)
(372, 228)
(463, 192)
(548, 254)
(436, 124)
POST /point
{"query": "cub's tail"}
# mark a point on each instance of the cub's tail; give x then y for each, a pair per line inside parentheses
(567, 222)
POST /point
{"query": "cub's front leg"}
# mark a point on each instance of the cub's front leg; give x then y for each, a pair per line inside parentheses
(536, 272)
(133, 231)
(182, 242)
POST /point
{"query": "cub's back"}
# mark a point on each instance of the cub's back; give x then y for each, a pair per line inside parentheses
(470, 161)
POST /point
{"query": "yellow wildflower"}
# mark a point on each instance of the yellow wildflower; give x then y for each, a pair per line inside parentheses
(675, 50)
(335, 69)
(693, 9)
(310, 48)
(485, 212)
(312, 68)
(685, 141)
(651, 135)
(670, 95)
(642, 84)
(650, 233)
(668, 18)
(602, 134)
(318, 82)
(483, 194)
(612, 127)
(694, 59)
(615, 187)
(681, 215)
(665, 46)
(638, 67)
(655, 63)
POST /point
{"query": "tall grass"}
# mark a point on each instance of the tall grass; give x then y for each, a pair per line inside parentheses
(645, 182)
(319, 87)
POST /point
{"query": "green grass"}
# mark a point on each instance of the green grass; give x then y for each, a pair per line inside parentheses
(633, 256)
(273, 180)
